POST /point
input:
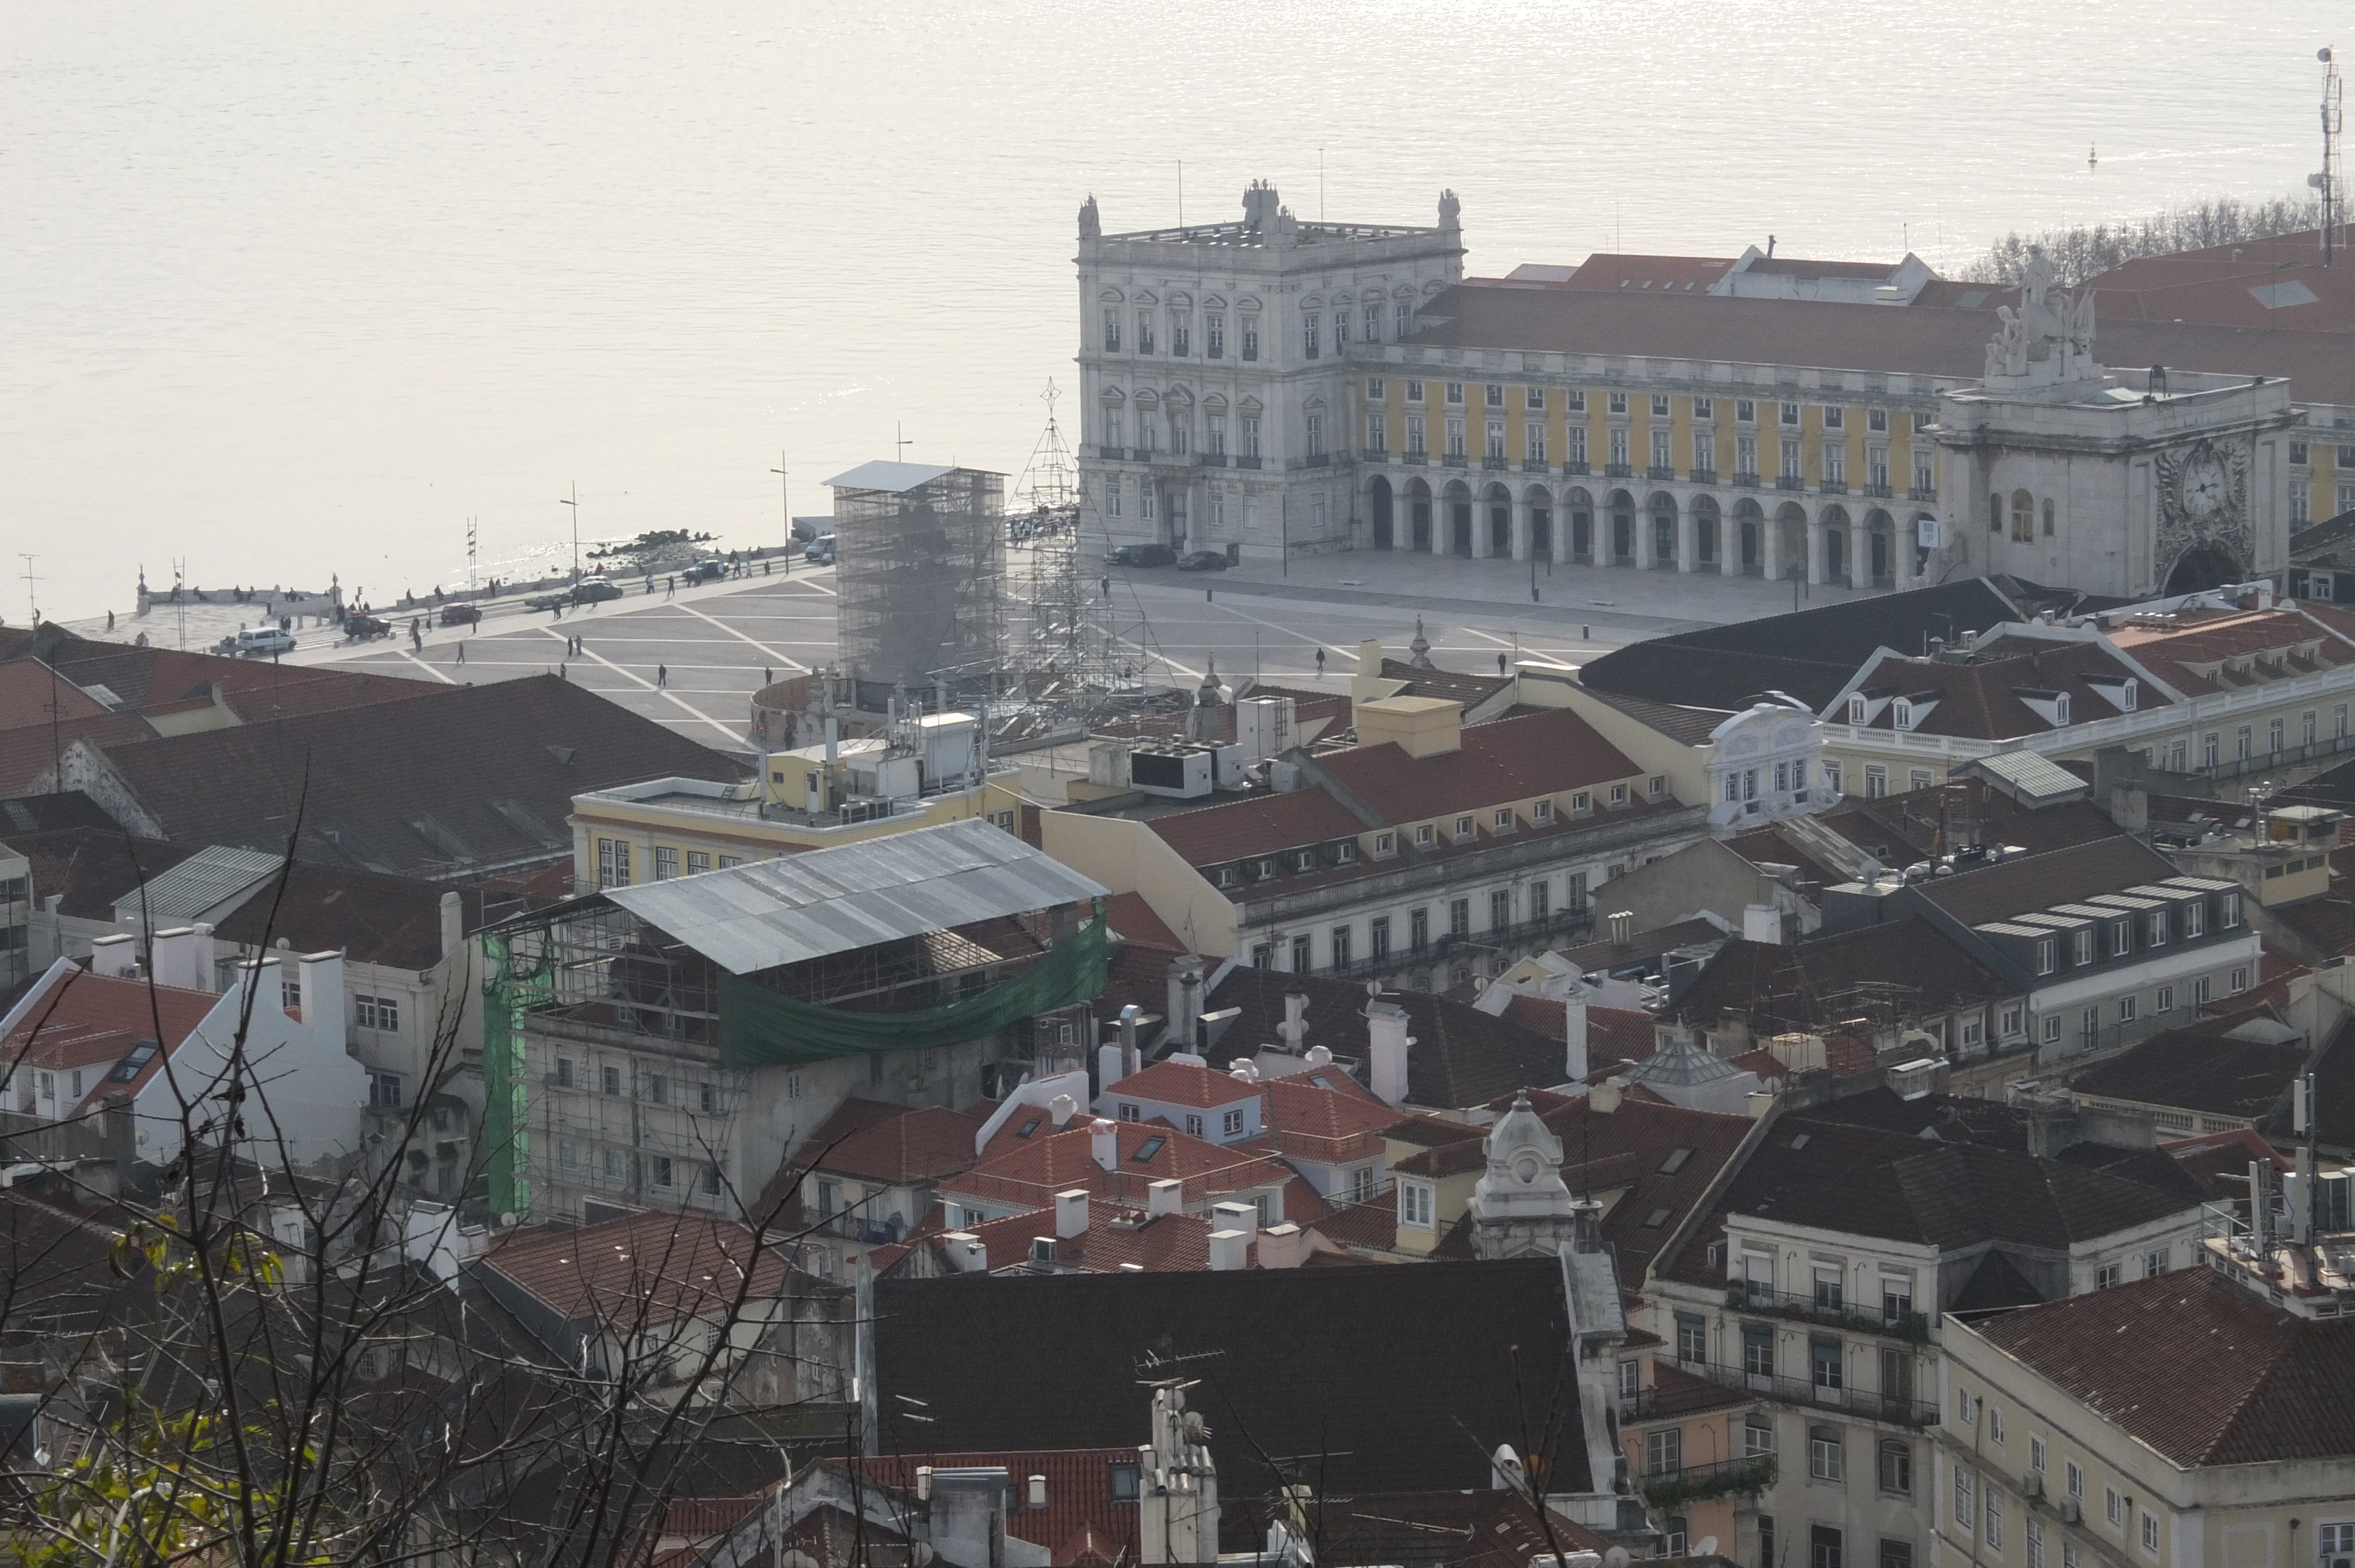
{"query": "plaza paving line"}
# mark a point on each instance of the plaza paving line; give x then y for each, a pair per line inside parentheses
(1492, 608)
(628, 675)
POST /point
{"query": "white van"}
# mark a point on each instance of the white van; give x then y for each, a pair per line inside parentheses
(259, 641)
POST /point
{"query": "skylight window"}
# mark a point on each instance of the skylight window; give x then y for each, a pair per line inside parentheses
(1147, 1149)
(1675, 1161)
(1030, 1126)
(1656, 1219)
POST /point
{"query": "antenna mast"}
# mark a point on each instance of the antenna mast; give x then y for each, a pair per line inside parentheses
(2334, 121)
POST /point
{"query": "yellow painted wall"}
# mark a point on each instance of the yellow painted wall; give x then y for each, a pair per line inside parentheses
(1129, 857)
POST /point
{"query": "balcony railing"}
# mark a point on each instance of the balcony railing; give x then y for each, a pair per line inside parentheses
(1535, 465)
(1247, 461)
(1570, 918)
(1375, 454)
(1900, 1409)
(1416, 460)
(1832, 487)
(1878, 491)
(1457, 459)
(1618, 470)
(1789, 481)
(1112, 454)
(1212, 460)
(1496, 462)
(1669, 1491)
(1575, 470)
(1923, 493)
(1318, 459)
(1659, 471)
(1702, 476)
(1745, 478)
(1905, 1324)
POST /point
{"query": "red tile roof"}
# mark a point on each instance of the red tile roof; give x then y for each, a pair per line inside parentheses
(899, 1146)
(1166, 1244)
(1259, 825)
(1030, 1173)
(649, 1267)
(1335, 1124)
(94, 1021)
(1184, 1083)
(1506, 760)
(1135, 924)
(2197, 1367)
(1080, 1507)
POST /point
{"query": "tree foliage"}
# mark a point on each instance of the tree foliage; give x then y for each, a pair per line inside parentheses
(2079, 252)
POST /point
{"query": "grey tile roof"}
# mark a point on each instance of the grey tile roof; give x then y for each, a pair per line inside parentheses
(2049, 880)
(198, 885)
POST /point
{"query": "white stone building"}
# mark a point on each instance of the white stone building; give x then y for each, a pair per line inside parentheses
(1214, 365)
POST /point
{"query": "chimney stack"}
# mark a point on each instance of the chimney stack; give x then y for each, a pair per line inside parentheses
(117, 956)
(1166, 1196)
(1603, 1097)
(1186, 1002)
(323, 997)
(964, 1252)
(454, 923)
(1230, 1250)
(1294, 1027)
(172, 958)
(1623, 928)
(1762, 923)
(1062, 1109)
(1387, 1043)
(1283, 1246)
(1574, 1064)
(1240, 1218)
(1103, 1143)
(1071, 1213)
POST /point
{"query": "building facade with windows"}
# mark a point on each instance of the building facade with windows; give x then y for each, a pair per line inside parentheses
(1798, 1331)
(1215, 370)
(2177, 1421)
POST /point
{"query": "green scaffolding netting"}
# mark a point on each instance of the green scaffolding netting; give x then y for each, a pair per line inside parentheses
(759, 1028)
(507, 997)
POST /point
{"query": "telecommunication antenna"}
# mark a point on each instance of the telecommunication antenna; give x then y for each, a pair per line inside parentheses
(32, 595)
(2334, 121)
(473, 555)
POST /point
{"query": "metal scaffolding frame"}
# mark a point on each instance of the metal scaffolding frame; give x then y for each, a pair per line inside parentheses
(920, 577)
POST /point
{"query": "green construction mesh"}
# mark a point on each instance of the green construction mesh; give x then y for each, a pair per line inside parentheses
(507, 997)
(759, 1028)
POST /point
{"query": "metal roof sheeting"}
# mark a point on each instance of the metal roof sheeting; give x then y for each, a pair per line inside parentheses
(747, 919)
(896, 477)
(199, 885)
(2035, 776)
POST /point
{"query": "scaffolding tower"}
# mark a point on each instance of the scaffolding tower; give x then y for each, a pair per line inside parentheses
(920, 553)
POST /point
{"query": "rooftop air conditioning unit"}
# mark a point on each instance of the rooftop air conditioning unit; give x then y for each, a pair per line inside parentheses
(2032, 1485)
(2072, 1510)
(1175, 772)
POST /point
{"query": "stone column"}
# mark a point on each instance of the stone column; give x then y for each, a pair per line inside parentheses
(1814, 553)
(1641, 521)
(1480, 551)
(1729, 544)
(1687, 538)
(1770, 549)
(1521, 539)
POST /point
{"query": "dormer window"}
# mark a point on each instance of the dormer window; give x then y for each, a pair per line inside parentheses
(2232, 912)
(1581, 802)
(2045, 956)
(1900, 713)
(1385, 843)
(1501, 821)
(1619, 794)
(1229, 876)
(2126, 695)
(1266, 867)
(1542, 811)
(1346, 852)
(2084, 945)
(1462, 827)
(2061, 707)
(1656, 786)
(1424, 834)
(2121, 938)
(1858, 714)
(1303, 859)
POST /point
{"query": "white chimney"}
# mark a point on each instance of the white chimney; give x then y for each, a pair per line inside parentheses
(323, 997)
(1623, 928)
(1387, 1042)
(1112, 1064)
(1319, 1057)
(1762, 923)
(1243, 1067)
(454, 923)
(173, 958)
(1573, 1012)
(202, 961)
(117, 956)
(1240, 1218)
(1071, 1213)
(1062, 1108)
(1103, 1143)
(1283, 1246)
(1166, 1196)
(1603, 1097)
(1185, 1001)
(1294, 1027)
(1230, 1250)
(266, 979)
(964, 1252)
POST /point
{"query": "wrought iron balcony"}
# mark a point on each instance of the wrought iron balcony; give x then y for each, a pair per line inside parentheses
(1878, 492)
(1923, 493)
(1900, 1409)
(1840, 1313)
(1212, 460)
(1457, 459)
(1575, 470)
(1745, 478)
(1318, 459)
(1618, 470)
(1670, 1490)
(1702, 476)
(1496, 465)
(1535, 465)
(1832, 487)
(1247, 462)
(1789, 481)
(1374, 454)
(1112, 454)
(1659, 471)
(1573, 919)
(1416, 460)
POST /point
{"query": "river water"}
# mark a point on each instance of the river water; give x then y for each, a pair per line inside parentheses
(293, 289)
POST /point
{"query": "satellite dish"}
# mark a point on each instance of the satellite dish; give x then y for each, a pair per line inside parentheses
(1373, 988)
(1708, 1547)
(1479, 984)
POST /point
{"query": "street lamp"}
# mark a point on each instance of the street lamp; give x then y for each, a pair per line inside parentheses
(575, 503)
(786, 488)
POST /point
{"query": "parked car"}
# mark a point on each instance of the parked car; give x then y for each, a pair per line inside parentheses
(259, 643)
(592, 591)
(545, 601)
(705, 572)
(821, 551)
(1204, 561)
(462, 615)
(1142, 556)
(360, 628)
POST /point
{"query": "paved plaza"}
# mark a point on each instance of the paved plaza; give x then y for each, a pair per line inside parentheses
(690, 660)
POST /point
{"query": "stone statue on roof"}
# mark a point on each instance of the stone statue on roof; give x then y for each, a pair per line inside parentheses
(1450, 210)
(1090, 225)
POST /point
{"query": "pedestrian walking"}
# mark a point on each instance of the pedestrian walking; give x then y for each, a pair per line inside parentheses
(1320, 664)
(563, 674)
(1501, 664)
(662, 675)
(461, 652)
(670, 585)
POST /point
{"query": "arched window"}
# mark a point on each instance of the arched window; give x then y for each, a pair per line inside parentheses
(2023, 515)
